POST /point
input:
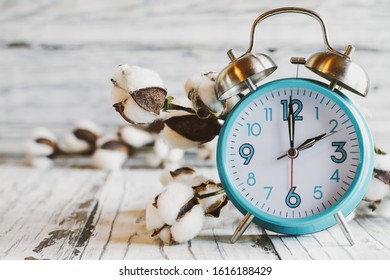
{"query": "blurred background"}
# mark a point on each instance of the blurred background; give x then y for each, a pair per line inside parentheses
(57, 57)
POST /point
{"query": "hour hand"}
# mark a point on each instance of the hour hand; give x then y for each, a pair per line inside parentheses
(309, 143)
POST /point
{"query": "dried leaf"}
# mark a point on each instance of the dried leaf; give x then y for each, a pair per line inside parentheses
(155, 201)
(182, 170)
(50, 144)
(120, 108)
(194, 128)
(204, 185)
(85, 135)
(117, 146)
(187, 207)
(214, 209)
(382, 175)
(151, 99)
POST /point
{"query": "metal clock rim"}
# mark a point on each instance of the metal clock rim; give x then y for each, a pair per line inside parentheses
(350, 199)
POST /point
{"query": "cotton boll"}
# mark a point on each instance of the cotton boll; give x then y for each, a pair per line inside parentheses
(193, 83)
(382, 162)
(111, 153)
(189, 225)
(152, 218)
(43, 133)
(89, 126)
(118, 95)
(171, 200)
(383, 208)
(175, 140)
(108, 159)
(207, 95)
(136, 137)
(133, 113)
(376, 190)
(71, 144)
(38, 149)
(132, 78)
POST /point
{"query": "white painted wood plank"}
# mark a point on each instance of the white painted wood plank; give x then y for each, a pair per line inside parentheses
(48, 216)
(120, 232)
(371, 242)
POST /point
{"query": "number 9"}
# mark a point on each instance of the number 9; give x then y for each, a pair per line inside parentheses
(246, 152)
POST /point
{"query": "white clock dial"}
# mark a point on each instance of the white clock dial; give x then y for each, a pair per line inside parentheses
(300, 185)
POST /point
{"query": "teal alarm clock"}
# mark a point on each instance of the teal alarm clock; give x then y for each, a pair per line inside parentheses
(295, 155)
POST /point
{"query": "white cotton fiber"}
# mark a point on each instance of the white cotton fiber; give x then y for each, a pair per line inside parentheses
(38, 149)
(132, 78)
(189, 225)
(135, 113)
(376, 190)
(152, 218)
(118, 95)
(42, 132)
(90, 126)
(175, 140)
(71, 144)
(136, 137)
(382, 162)
(383, 208)
(108, 159)
(171, 200)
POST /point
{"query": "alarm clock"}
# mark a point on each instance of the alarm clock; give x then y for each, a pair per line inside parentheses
(295, 155)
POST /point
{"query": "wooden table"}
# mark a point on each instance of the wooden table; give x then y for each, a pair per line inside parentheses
(74, 213)
(56, 61)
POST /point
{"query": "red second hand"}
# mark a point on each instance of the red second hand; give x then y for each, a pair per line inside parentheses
(291, 173)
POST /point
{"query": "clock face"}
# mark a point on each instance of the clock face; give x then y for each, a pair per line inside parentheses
(293, 153)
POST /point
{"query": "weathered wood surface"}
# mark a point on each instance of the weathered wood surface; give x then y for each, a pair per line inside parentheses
(72, 213)
(56, 61)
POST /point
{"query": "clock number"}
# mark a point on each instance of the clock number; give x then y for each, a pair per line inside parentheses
(317, 194)
(246, 152)
(251, 181)
(335, 176)
(254, 129)
(297, 111)
(317, 113)
(269, 189)
(268, 114)
(339, 149)
(335, 124)
(293, 200)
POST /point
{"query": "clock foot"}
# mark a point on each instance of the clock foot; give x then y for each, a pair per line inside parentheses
(246, 221)
(344, 227)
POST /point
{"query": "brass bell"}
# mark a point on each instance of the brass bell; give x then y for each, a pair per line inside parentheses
(340, 70)
(243, 73)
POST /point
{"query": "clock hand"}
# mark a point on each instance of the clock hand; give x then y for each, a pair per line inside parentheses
(291, 123)
(308, 143)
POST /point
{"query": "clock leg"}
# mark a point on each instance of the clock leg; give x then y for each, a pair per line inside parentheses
(344, 227)
(246, 221)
